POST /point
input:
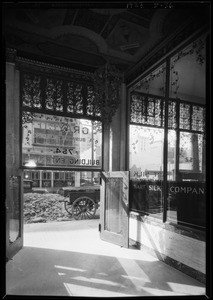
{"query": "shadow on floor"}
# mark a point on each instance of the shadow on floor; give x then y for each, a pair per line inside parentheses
(37, 271)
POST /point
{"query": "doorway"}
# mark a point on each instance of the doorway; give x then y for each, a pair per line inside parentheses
(51, 195)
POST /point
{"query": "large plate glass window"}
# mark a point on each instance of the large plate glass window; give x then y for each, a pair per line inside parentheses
(178, 196)
(55, 141)
(146, 144)
(146, 169)
(186, 203)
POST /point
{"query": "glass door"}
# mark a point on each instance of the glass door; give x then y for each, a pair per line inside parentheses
(14, 222)
(114, 208)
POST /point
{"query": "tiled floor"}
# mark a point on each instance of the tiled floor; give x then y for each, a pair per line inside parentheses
(70, 259)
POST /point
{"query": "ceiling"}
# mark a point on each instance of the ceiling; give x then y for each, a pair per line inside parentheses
(88, 37)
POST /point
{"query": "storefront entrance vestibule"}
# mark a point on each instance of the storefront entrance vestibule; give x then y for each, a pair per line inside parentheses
(166, 145)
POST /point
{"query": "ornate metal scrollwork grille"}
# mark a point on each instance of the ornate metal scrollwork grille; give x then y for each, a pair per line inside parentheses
(149, 110)
(31, 91)
(146, 110)
(184, 116)
(197, 118)
(92, 109)
(74, 98)
(58, 95)
(172, 114)
(192, 117)
(53, 95)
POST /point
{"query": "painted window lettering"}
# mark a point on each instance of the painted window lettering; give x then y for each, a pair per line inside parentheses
(173, 189)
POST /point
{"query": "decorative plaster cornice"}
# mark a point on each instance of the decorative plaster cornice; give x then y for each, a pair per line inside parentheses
(25, 63)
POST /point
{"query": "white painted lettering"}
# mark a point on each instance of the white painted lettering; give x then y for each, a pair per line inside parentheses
(85, 130)
(177, 189)
(201, 190)
(183, 189)
(189, 189)
(194, 191)
(171, 189)
(76, 129)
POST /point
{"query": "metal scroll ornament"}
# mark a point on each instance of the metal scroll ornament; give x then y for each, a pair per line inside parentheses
(107, 81)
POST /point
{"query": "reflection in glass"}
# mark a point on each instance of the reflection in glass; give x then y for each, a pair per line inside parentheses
(146, 169)
(113, 209)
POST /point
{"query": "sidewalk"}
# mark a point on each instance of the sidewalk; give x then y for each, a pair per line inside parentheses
(69, 259)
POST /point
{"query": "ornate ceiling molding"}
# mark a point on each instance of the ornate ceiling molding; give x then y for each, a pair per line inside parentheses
(42, 67)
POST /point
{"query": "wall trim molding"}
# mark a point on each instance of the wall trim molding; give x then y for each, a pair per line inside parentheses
(182, 230)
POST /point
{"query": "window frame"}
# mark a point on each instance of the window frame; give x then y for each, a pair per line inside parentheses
(167, 62)
(85, 115)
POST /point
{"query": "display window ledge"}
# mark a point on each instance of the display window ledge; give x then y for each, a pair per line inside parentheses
(179, 229)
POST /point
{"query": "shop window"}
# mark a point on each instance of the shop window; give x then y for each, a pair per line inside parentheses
(146, 169)
(58, 175)
(186, 188)
(170, 183)
(35, 175)
(53, 141)
(46, 175)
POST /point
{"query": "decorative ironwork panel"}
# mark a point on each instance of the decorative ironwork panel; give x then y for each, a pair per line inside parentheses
(184, 116)
(54, 95)
(71, 97)
(146, 110)
(137, 109)
(172, 114)
(154, 112)
(92, 109)
(74, 98)
(31, 91)
(198, 118)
